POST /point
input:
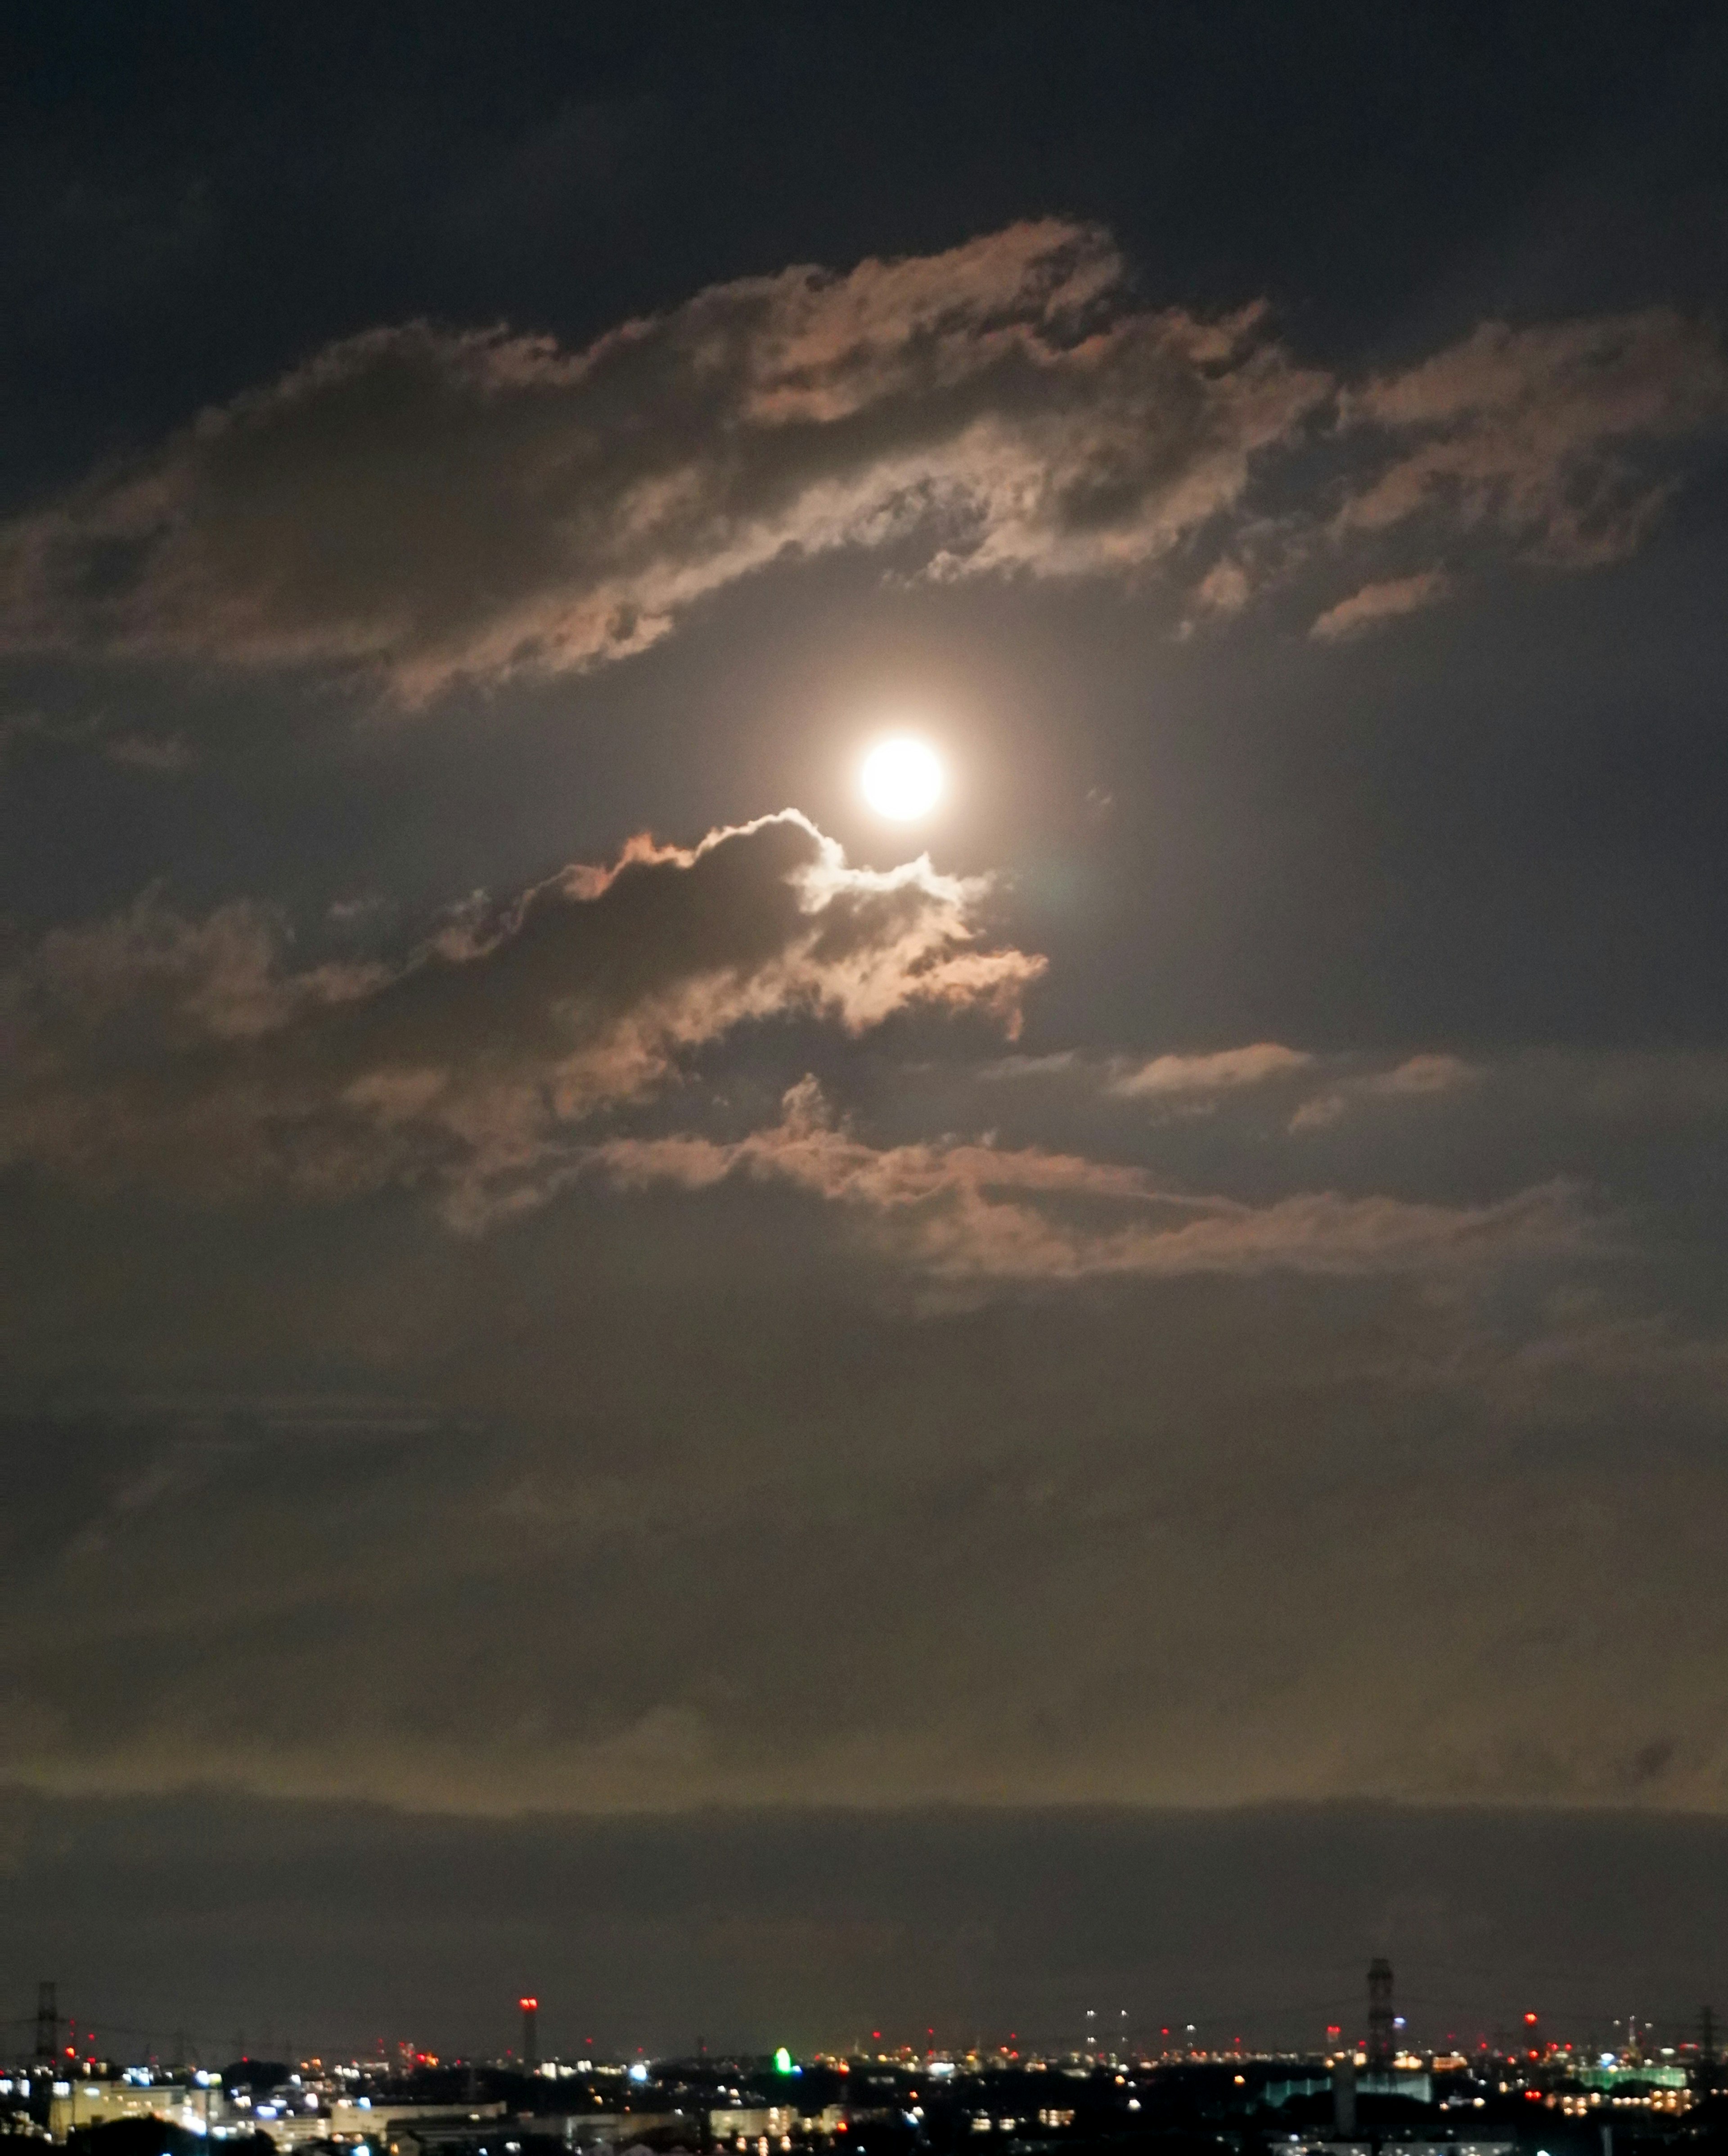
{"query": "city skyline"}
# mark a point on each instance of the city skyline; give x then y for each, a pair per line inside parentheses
(1349, 2098)
(864, 1060)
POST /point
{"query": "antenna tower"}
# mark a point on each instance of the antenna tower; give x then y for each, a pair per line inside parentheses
(1381, 2047)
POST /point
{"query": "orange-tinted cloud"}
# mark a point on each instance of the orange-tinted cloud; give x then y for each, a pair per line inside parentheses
(194, 1053)
(431, 504)
(970, 1214)
(428, 505)
(1531, 431)
(1376, 604)
(1224, 1070)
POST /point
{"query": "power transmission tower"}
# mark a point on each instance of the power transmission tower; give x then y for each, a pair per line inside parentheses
(48, 2022)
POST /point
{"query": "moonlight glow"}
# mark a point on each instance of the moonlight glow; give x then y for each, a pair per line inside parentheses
(902, 779)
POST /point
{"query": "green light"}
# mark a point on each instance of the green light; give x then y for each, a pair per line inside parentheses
(782, 2060)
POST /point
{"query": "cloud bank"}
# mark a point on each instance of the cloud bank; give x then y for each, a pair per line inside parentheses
(435, 503)
(428, 503)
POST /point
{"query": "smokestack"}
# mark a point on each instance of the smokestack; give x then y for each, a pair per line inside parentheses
(531, 2035)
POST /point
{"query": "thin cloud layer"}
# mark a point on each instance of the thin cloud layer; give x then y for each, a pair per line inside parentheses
(1225, 1070)
(428, 503)
(1533, 432)
(1418, 1078)
(192, 1053)
(973, 1213)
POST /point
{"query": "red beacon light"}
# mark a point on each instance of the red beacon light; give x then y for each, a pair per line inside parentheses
(528, 2006)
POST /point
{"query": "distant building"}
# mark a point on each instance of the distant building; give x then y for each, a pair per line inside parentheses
(746, 2123)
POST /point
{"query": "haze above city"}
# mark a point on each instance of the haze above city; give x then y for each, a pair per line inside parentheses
(866, 1054)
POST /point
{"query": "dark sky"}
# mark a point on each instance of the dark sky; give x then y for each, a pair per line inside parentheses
(738, 1407)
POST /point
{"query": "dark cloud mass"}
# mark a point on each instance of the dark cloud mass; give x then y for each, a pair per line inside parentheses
(813, 1928)
(1165, 1325)
(191, 1050)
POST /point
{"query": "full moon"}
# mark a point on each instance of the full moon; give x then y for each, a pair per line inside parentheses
(902, 779)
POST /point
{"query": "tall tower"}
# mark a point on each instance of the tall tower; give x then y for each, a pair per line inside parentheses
(47, 2023)
(1382, 2049)
(531, 2035)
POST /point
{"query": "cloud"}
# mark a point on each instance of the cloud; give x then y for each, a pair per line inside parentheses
(1192, 1079)
(1536, 434)
(136, 752)
(163, 752)
(1226, 1071)
(428, 503)
(192, 1052)
(1591, 1361)
(1184, 1085)
(973, 1213)
(431, 503)
(1423, 1073)
(1418, 1077)
(150, 977)
(1376, 604)
(1225, 587)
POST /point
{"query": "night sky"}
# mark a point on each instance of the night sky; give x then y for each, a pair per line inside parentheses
(620, 1376)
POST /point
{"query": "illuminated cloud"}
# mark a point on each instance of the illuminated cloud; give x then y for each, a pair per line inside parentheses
(194, 1053)
(1375, 605)
(1418, 1077)
(1225, 1070)
(431, 504)
(966, 1212)
(428, 503)
(1535, 433)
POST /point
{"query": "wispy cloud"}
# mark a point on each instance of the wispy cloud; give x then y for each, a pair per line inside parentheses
(1225, 1070)
(965, 1212)
(1376, 604)
(1535, 433)
(1417, 1077)
(163, 752)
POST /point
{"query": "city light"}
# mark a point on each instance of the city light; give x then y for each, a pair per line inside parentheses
(1298, 2103)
